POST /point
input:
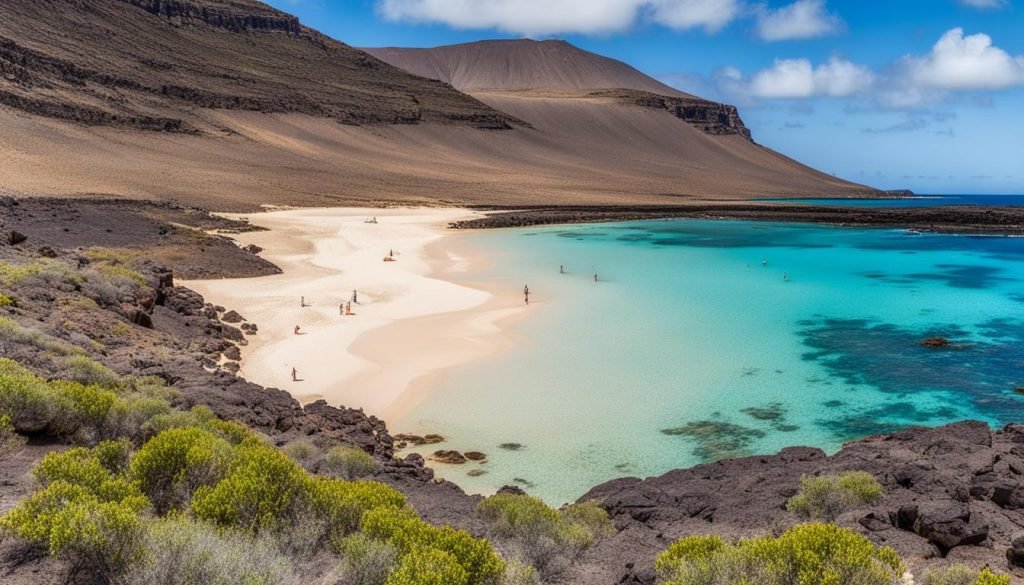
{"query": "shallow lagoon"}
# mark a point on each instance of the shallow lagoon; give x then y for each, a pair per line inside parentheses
(690, 350)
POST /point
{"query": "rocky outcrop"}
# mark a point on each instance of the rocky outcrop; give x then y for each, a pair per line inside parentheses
(148, 64)
(710, 117)
(945, 497)
(182, 12)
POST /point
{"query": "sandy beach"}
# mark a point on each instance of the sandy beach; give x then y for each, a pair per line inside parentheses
(413, 320)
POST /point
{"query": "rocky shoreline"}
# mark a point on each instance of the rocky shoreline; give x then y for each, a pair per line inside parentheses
(943, 219)
(952, 494)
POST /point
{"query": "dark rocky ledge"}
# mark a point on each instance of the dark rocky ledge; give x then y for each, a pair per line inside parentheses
(710, 117)
(966, 219)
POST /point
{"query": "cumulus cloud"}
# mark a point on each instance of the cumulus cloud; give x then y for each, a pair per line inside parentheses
(711, 15)
(798, 78)
(547, 17)
(959, 62)
(956, 63)
(803, 19)
(531, 17)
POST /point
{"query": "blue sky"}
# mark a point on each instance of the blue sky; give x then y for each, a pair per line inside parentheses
(919, 94)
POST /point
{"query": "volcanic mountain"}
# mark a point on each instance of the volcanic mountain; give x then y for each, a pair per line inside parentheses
(231, 103)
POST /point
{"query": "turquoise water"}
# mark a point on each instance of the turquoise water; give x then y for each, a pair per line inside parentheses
(917, 201)
(690, 350)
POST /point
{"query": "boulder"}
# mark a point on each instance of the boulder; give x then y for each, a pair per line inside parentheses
(449, 457)
(15, 237)
(231, 317)
(950, 524)
(475, 455)
(252, 249)
(1015, 554)
(47, 252)
(140, 318)
(233, 353)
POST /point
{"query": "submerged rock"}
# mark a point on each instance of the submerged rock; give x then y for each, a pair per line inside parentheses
(511, 446)
(475, 455)
(449, 457)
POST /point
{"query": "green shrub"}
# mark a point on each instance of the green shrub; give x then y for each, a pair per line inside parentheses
(808, 554)
(517, 573)
(541, 534)
(94, 528)
(173, 464)
(827, 497)
(366, 561)
(261, 485)
(407, 532)
(987, 577)
(11, 332)
(129, 416)
(89, 404)
(343, 503)
(186, 552)
(7, 301)
(25, 398)
(78, 466)
(303, 452)
(347, 462)
(10, 440)
(44, 269)
(963, 575)
(428, 566)
(200, 417)
(86, 370)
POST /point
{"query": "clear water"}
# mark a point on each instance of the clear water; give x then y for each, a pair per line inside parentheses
(917, 201)
(690, 350)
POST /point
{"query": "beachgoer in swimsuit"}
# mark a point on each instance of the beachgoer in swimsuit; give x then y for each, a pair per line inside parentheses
(296, 330)
(295, 375)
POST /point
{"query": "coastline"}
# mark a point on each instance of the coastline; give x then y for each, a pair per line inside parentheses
(375, 359)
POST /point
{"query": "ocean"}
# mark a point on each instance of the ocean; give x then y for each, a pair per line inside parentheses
(710, 339)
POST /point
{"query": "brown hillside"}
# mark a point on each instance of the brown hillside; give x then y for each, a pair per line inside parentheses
(230, 104)
(521, 64)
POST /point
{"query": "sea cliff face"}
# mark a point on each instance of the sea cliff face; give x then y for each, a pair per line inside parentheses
(951, 494)
(710, 117)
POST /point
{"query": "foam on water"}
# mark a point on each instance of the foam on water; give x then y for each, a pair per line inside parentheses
(690, 350)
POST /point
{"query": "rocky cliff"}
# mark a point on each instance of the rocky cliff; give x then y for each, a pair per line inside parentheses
(155, 64)
(710, 117)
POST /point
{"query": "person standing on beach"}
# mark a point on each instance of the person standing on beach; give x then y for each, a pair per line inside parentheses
(296, 330)
(526, 293)
(355, 297)
(348, 308)
(302, 301)
(341, 309)
(295, 375)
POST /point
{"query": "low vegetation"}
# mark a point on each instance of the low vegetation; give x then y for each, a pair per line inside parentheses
(808, 554)
(963, 575)
(826, 497)
(544, 537)
(164, 496)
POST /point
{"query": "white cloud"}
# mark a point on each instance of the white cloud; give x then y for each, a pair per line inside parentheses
(984, 3)
(548, 17)
(803, 19)
(959, 62)
(711, 15)
(797, 78)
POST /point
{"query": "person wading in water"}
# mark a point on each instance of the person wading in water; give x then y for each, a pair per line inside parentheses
(526, 293)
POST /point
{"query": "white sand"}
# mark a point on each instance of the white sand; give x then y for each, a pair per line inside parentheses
(407, 329)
